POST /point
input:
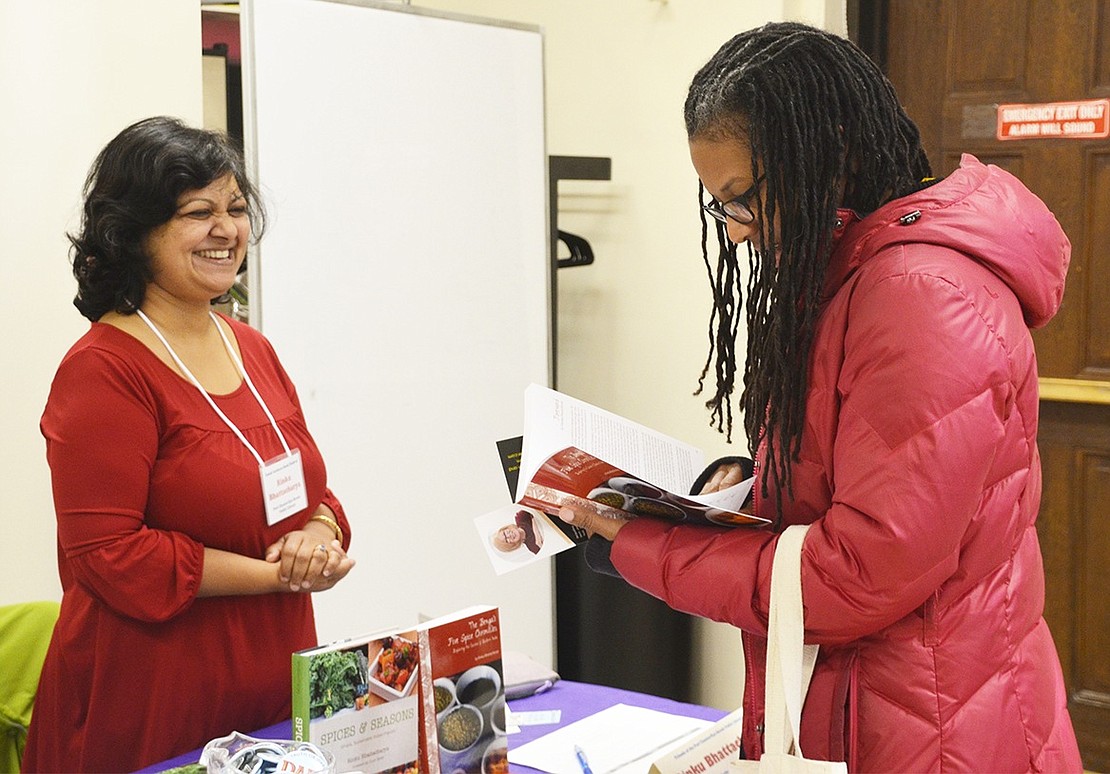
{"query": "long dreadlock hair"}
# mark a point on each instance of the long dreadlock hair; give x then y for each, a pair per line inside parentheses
(826, 131)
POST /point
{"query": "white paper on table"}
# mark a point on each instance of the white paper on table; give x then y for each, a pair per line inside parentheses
(621, 739)
(535, 717)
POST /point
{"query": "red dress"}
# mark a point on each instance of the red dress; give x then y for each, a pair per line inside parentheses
(145, 475)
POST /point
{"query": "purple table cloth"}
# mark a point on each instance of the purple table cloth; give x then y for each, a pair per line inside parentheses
(574, 701)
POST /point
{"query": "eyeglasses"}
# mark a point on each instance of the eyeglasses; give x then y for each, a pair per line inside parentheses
(738, 209)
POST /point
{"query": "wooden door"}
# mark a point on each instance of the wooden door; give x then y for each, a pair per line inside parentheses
(953, 62)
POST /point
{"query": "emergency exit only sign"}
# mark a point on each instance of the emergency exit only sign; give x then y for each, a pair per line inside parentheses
(1083, 120)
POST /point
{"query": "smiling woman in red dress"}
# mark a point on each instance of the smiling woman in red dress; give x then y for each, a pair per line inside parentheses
(187, 573)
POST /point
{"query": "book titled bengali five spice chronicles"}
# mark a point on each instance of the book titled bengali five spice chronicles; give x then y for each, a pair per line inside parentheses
(575, 453)
(462, 689)
(359, 699)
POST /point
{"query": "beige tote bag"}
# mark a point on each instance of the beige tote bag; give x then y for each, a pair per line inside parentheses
(789, 668)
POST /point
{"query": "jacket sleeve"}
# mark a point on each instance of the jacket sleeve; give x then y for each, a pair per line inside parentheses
(923, 395)
(101, 430)
(711, 572)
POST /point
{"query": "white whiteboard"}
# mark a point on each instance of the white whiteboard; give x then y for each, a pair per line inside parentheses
(404, 281)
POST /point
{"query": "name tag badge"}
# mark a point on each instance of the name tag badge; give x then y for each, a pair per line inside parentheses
(283, 488)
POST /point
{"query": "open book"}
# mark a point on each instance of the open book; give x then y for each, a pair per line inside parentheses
(575, 453)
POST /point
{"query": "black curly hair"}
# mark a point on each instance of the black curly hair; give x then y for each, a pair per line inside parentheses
(826, 131)
(133, 186)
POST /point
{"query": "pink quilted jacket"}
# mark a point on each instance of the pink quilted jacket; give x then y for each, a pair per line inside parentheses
(919, 471)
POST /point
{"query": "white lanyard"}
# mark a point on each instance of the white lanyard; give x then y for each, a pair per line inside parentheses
(283, 487)
(207, 397)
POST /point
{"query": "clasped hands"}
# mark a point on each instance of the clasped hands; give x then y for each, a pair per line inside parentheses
(608, 526)
(308, 561)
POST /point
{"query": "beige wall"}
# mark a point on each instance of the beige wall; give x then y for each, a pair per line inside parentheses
(72, 74)
(632, 328)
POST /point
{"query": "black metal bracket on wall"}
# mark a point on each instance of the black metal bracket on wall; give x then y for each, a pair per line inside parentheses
(568, 168)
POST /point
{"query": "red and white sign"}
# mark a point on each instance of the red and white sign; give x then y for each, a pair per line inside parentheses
(1083, 120)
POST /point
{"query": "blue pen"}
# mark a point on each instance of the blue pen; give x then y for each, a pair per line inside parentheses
(585, 764)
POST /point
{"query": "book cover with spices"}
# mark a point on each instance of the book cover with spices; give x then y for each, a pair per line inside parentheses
(462, 692)
(359, 699)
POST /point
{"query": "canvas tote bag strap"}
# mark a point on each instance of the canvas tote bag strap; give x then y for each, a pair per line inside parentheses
(789, 661)
(790, 665)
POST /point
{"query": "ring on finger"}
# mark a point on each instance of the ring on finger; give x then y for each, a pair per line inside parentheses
(321, 547)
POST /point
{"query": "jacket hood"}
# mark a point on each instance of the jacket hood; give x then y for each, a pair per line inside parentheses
(979, 210)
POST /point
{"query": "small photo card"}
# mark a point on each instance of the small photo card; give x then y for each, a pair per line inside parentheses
(515, 536)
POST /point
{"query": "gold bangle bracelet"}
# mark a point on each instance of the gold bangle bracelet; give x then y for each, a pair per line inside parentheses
(331, 523)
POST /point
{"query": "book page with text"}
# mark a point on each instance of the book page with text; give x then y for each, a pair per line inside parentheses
(554, 421)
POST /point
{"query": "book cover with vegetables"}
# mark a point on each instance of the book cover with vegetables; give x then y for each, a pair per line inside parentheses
(359, 700)
(462, 694)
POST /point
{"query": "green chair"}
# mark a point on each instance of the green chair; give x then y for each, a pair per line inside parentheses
(25, 631)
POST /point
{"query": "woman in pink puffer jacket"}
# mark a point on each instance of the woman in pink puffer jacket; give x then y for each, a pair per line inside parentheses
(890, 395)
